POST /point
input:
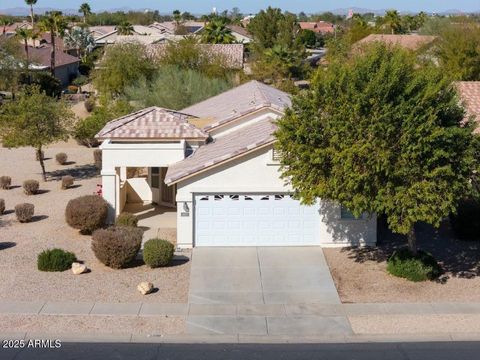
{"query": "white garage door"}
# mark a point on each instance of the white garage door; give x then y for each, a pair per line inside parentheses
(254, 220)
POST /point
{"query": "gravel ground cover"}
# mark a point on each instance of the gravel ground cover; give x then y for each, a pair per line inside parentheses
(21, 243)
(360, 273)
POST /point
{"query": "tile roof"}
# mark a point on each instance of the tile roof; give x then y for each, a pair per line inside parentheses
(409, 42)
(470, 93)
(41, 55)
(232, 53)
(239, 101)
(240, 30)
(151, 123)
(223, 149)
(319, 27)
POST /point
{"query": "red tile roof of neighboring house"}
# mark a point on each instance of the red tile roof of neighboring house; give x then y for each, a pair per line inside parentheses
(152, 123)
(223, 149)
(319, 27)
(239, 101)
(41, 55)
(409, 42)
(470, 93)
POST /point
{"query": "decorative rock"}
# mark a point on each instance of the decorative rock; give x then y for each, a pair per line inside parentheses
(78, 268)
(145, 287)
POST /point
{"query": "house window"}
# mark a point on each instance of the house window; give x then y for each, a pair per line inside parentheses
(276, 156)
(155, 178)
(346, 214)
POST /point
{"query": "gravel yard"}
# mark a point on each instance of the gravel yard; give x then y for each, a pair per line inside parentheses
(21, 243)
(360, 273)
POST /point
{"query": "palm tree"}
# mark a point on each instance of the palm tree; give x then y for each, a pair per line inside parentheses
(25, 35)
(85, 10)
(31, 3)
(5, 22)
(125, 28)
(55, 23)
(216, 32)
(392, 18)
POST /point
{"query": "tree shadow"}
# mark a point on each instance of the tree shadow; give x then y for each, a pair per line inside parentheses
(78, 172)
(7, 245)
(458, 258)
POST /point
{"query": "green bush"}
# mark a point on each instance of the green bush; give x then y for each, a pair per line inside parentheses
(127, 219)
(55, 260)
(87, 213)
(466, 222)
(421, 267)
(117, 246)
(158, 253)
(30, 187)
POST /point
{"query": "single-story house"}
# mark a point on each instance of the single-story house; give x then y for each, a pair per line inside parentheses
(409, 42)
(242, 36)
(172, 28)
(215, 164)
(469, 92)
(321, 27)
(141, 34)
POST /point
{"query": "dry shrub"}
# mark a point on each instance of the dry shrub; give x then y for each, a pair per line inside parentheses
(61, 158)
(24, 212)
(5, 182)
(87, 213)
(2, 206)
(31, 187)
(117, 246)
(97, 158)
(67, 181)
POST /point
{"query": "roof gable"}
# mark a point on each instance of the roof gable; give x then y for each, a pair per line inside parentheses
(151, 123)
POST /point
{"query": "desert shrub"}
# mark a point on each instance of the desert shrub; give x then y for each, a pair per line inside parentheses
(86, 213)
(2, 206)
(5, 182)
(55, 260)
(89, 104)
(30, 187)
(61, 158)
(97, 158)
(126, 219)
(24, 212)
(420, 267)
(158, 253)
(117, 246)
(466, 222)
(37, 156)
(67, 181)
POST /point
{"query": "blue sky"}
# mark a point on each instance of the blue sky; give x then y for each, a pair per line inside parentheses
(246, 6)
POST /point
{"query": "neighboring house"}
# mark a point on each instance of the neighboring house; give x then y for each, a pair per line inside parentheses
(215, 163)
(231, 54)
(66, 66)
(11, 29)
(242, 36)
(99, 31)
(469, 92)
(321, 27)
(171, 27)
(141, 34)
(409, 42)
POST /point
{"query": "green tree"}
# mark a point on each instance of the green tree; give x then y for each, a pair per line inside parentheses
(175, 88)
(85, 10)
(11, 60)
(32, 16)
(24, 35)
(379, 134)
(216, 32)
(54, 23)
(4, 22)
(35, 119)
(393, 20)
(122, 65)
(125, 28)
(80, 39)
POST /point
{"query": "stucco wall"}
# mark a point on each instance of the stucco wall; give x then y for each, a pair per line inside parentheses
(255, 173)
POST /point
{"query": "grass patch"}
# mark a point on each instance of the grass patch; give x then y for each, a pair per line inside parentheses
(420, 267)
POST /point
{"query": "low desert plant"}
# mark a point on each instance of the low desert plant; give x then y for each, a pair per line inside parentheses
(31, 187)
(117, 246)
(37, 157)
(97, 158)
(55, 260)
(89, 104)
(5, 182)
(2, 206)
(61, 158)
(420, 267)
(158, 253)
(86, 213)
(466, 222)
(67, 181)
(127, 219)
(24, 212)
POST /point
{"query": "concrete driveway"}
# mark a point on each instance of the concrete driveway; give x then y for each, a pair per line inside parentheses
(261, 275)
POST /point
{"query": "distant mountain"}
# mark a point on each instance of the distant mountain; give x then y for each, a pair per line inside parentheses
(357, 10)
(23, 11)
